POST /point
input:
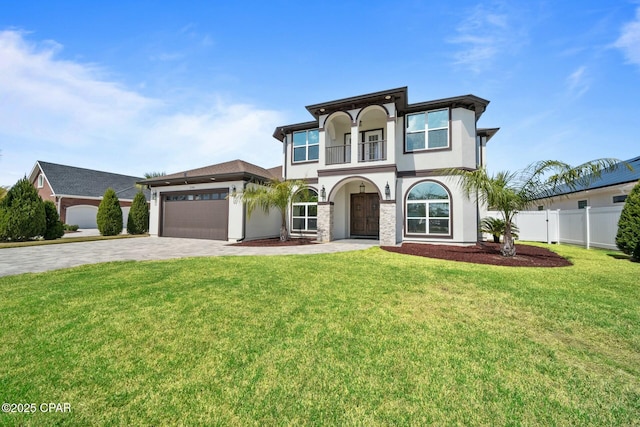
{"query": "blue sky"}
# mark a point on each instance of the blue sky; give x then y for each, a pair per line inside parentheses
(134, 87)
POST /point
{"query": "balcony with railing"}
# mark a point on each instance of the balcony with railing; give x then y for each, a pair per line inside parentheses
(338, 154)
(372, 151)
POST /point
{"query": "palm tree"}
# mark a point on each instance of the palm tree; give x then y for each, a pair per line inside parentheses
(510, 192)
(495, 227)
(273, 194)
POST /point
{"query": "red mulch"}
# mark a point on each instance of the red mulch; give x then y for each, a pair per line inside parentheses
(484, 253)
(276, 242)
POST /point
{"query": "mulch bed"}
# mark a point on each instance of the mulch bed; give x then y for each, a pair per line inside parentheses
(484, 253)
(276, 242)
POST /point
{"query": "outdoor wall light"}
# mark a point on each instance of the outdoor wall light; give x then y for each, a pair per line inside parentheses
(154, 195)
(233, 190)
(387, 192)
(362, 187)
(323, 194)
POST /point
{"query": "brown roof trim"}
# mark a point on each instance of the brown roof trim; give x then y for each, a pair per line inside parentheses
(470, 102)
(281, 131)
(358, 170)
(487, 132)
(398, 95)
(425, 173)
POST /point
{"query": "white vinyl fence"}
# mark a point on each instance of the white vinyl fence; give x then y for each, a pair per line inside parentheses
(587, 227)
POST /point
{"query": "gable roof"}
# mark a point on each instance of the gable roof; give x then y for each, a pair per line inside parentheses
(80, 182)
(619, 174)
(228, 171)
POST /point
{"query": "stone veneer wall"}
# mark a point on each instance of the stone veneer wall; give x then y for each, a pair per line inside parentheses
(325, 222)
(387, 224)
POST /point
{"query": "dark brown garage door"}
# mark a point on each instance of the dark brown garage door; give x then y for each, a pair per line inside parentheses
(196, 214)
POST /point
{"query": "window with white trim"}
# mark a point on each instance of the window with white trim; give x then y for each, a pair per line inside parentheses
(305, 210)
(428, 130)
(428, 210)
(40, 181)
(306, 145)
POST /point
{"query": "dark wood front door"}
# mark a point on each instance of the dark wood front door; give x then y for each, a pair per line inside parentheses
(365, 214)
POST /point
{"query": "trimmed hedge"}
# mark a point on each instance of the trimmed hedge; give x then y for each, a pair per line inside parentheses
(138, 219)
(109, 214)
(22, 214)
(628, 237)
(54, 228)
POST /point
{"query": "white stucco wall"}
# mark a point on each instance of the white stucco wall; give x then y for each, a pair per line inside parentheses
(461, 154)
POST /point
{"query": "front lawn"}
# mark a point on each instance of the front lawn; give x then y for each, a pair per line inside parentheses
(360, 338)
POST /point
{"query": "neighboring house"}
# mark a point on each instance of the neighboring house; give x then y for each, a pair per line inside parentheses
(375, 162)
(372, 164)
(77, 192)
(611, 189)
(199, 203)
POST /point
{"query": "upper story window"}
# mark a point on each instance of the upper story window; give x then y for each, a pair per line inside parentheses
(306, 145)
(40, 181)
(428, 130)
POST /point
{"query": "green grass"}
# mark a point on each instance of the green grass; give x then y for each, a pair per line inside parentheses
(4, 245)
(360, 338)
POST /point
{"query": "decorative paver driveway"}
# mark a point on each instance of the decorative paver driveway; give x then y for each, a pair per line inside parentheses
(33, 259)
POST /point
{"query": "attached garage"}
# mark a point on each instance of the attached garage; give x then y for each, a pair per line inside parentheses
(84, 216)
(202, 214)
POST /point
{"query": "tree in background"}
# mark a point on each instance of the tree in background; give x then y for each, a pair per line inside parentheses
(109, 214)
(138, 219)
(628, 237)
(275, 194)
(510, 192)
(3, 191)
(22, 214)
(54, 228)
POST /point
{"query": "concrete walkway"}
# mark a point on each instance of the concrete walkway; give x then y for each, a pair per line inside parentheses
(33, 259)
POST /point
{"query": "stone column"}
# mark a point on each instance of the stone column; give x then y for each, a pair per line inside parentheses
(387, 223)
(325, 221)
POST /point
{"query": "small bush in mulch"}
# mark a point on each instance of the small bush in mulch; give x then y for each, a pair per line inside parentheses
(276, 242)
(484, 253)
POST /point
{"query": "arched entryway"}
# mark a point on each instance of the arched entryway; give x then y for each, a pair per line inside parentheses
(356, 209)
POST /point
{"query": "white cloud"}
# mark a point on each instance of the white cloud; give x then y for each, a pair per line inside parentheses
(629, 40)
(578, 82)
(68, 112)
(484, 34)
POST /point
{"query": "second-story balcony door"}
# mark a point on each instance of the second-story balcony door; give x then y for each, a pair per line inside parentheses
(372, 146)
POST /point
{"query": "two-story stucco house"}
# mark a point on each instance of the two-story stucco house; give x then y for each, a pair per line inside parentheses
(375, 160)
(372, 164)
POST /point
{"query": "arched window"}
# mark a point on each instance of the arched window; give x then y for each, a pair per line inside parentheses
(428, 210)
(305, 210)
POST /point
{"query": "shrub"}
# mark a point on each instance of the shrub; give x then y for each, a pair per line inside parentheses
(54, 228)
(138, 219)
(628, 237)
(109, 214)
(22, 215)
(495, 227)
(72, 227)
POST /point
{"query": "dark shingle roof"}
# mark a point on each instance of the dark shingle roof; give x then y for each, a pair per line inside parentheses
(81, 182)
(620, 174)
(227, 171)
